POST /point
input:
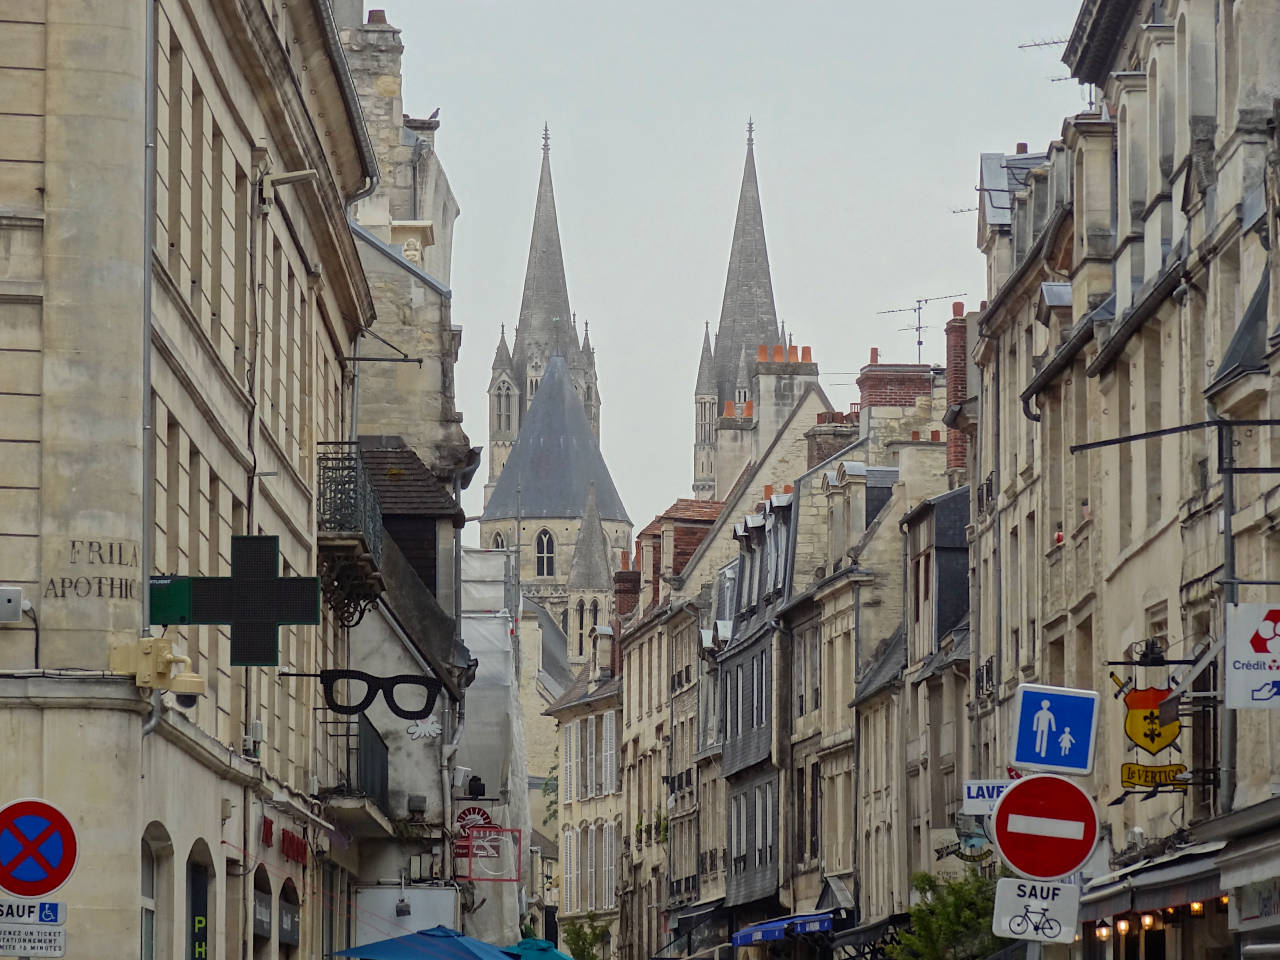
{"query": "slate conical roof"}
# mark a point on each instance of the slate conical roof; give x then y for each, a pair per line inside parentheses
(544, 328)
(747, 316)
(590, 567)
(706, 368)
(555, 459)
(502, 355)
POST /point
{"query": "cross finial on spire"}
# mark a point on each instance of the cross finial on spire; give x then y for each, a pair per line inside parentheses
(504, 330)
(546, 138)
(751, 129)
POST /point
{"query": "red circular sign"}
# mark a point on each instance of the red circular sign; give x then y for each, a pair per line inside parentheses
(1045, 826)
(473, 817)
(37, 848)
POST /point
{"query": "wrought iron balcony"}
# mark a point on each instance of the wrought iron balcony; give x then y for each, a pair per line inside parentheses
(349, 519)
(360, 801)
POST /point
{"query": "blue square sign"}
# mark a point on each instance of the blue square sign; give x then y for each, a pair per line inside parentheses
(1054, 729)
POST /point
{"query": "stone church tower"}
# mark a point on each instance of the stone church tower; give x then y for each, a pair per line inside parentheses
(546, 328)
(749, 382)
(549, 490)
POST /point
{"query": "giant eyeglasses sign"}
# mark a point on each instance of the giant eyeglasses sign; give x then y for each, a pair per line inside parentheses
(349, 692)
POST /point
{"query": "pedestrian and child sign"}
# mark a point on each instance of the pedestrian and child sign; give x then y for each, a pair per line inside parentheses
(1054, 729)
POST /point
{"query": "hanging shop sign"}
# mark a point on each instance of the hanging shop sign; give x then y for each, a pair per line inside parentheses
(1252, 661)
(347, 693)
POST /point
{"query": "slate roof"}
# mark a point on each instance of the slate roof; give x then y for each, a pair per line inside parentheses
(404, 485)
(1000, 177)
(1249, 344)
(555, 648)
(555, 460)
(590, 568)
(939, 660)
(748, 317)
(886, 667)
(581, 691)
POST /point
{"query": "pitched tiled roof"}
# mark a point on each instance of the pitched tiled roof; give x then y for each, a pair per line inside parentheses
(404, 485)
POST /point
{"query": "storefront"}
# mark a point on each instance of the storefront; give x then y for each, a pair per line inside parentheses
(1172, 907)
(1250, 872)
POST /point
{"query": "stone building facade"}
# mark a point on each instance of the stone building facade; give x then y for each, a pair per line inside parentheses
(162, 397)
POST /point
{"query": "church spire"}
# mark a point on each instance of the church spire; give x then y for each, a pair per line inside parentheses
(546, 293)
(747, 315)
(502, 356)
(706, 385)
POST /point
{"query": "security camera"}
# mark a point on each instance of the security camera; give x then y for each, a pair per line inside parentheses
(187, 700)
(188, 687)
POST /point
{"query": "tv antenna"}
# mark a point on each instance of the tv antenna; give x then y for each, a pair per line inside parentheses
(1042, 43)
(920, 325)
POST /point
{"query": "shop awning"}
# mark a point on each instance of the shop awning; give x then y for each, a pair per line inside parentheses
(769, 930)
(1256, 860)
(782, 927)
(1175, 878)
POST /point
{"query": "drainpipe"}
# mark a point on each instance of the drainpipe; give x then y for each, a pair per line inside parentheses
(997, 565)
(148, 244)
(157, 712)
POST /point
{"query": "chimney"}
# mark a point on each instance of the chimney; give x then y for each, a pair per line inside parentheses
(626, 559)
(377, 16)
(831, 434)
(748, 409)
(875, 354)
(957, 382)
(793, 354)
(779, 353)
(729, 411)
(762, 353)
(1021, 149)
(602, 654)
(626, 591)
(768, 490)
(806, 354)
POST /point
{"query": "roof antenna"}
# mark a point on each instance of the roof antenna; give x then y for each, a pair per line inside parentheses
(920, 326)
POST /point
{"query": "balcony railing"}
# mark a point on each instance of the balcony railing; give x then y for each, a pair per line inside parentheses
(349, 519)
(370, 766)
(348, 503)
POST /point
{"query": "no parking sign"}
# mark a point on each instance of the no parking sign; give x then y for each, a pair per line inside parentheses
(38, 848)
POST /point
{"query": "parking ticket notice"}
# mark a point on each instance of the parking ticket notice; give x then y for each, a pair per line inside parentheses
(27, 941)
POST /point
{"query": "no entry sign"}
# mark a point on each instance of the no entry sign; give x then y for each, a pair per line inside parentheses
(1045, 826)
(37, 848)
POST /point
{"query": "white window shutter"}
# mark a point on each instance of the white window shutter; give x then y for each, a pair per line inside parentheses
(591, 867)
(609, 762)
(610, 857)
(578, 759)
(570, 878)
(566, 767)
(591, 757)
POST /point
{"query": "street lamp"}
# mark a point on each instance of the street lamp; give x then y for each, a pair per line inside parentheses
(1102, 931)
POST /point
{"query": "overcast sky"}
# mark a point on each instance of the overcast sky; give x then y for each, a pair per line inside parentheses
(869, 119)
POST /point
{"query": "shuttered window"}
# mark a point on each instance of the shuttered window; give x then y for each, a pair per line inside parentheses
(609, 755)
(591, 867)
(566, 767)
(592, 770)
(610, 899)
(570, 873)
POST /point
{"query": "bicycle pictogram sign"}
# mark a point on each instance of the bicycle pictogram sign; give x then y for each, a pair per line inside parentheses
(38, 848)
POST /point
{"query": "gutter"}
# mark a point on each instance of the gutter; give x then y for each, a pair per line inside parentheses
(1056, 365)
(1023, 268)
(1137, 316)
(350, 99)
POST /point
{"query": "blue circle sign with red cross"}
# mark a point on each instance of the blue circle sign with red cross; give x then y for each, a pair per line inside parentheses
(37, 848)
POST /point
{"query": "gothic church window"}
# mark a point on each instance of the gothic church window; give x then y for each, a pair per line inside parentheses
(504, 407)
(499, 542)
(582, 616)
(595, 613)
(546, 554)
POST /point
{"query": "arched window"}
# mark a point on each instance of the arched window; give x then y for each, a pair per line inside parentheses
(546, 552)
(595, 613)
(499, 541)
(504, 407)
(148, 902)
(564, 621)
(582, 619)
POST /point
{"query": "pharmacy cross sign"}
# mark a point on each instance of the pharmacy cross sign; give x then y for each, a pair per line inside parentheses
(255, 601)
